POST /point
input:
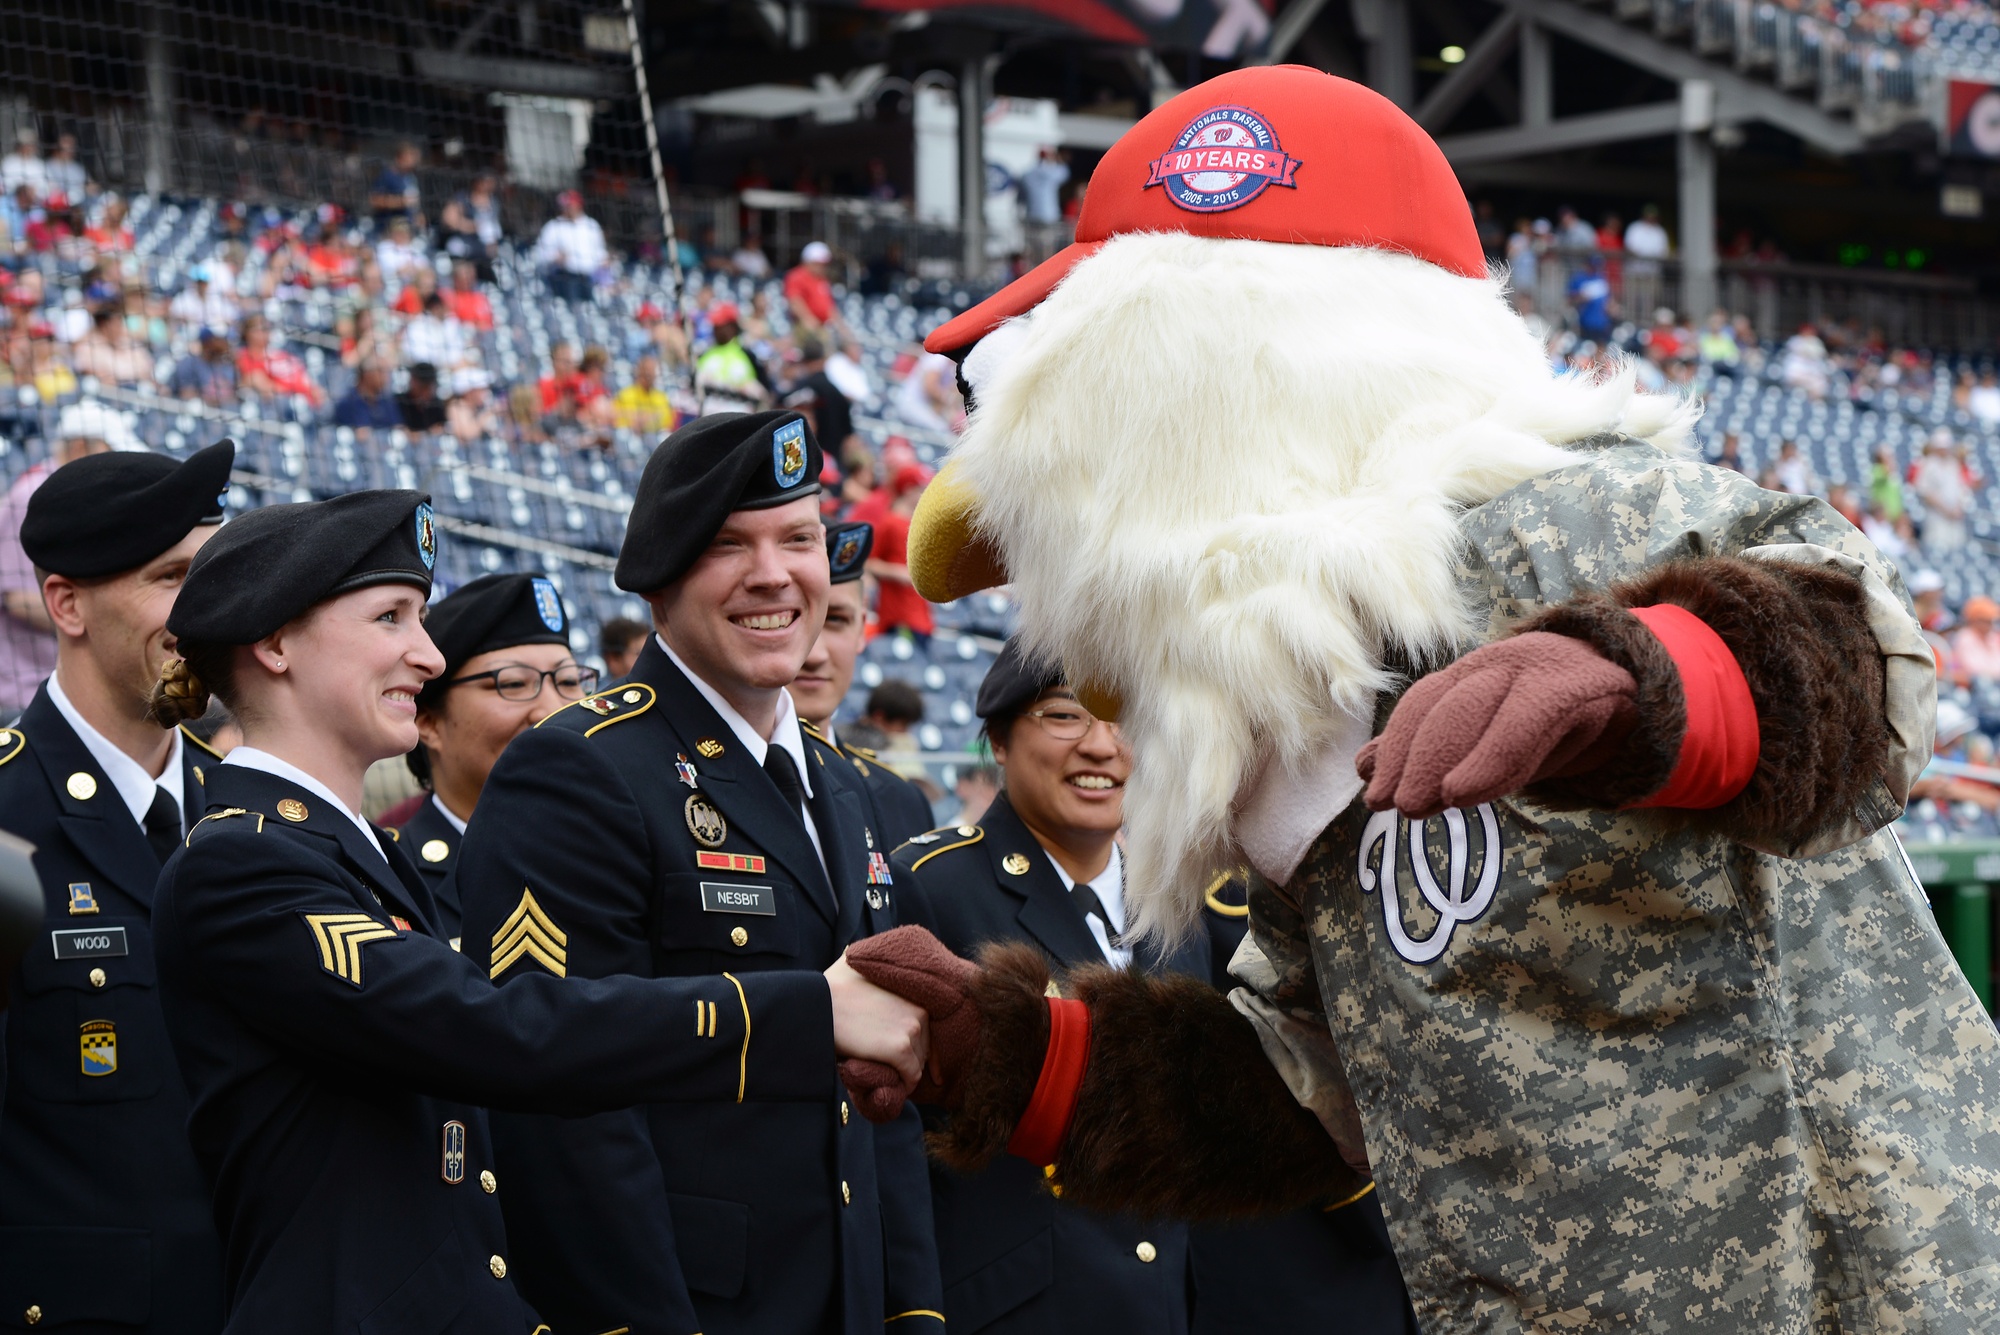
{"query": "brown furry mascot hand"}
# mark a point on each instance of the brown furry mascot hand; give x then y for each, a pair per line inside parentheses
(1537, 706)
(918, 967)
(1177, 1112)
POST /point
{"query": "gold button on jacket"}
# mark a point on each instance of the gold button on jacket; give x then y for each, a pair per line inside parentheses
(1147, 1251)
(739, 936)
(98, 978)
(498, 1266)
(846, 1196)
(487, 1182)
(33, 1315)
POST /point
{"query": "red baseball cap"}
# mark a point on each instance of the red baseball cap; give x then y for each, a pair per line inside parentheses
(1272, 153)
(724, 312)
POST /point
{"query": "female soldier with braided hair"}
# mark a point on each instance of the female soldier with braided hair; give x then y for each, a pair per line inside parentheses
(335, 1047)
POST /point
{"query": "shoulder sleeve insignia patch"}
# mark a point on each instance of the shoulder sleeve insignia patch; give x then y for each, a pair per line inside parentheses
(529, 933)
(12, 743)
(340, 937)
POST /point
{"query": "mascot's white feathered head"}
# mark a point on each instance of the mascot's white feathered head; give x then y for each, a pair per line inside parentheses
(1219, 445)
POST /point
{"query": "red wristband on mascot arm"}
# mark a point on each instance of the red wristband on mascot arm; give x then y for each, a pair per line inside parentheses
(1039, 1134)
(1719, 752)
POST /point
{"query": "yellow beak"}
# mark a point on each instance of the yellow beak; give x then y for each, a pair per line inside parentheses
(948, 557)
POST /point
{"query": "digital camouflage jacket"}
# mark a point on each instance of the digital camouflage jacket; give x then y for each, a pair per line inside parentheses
(1613, 1073)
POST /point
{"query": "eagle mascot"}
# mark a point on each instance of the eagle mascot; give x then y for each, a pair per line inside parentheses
(1564, 760)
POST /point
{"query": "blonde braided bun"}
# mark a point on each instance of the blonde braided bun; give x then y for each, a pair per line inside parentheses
(177, 696)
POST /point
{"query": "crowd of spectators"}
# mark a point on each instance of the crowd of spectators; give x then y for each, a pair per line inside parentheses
(410, 287)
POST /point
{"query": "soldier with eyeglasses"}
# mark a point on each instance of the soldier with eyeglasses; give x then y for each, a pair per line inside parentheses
(1043, 866)
(508, 666)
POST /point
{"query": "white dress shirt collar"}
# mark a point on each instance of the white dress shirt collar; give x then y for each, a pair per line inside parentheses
(249, 757)
(784, 733)
(448, 814)
(1110, 887)
(135, 787)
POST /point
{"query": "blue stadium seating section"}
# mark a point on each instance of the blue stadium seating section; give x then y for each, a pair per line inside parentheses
(506, 507)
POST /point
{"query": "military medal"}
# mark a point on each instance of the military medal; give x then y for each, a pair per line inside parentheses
(704, 822)
(878, 872)
(684, 769)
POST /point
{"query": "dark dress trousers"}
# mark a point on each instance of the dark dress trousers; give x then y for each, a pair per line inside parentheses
(104, 1216)
(661, 848)
(431, 843)
(1015, 1258)
(1329, 1269)
(339, 1053)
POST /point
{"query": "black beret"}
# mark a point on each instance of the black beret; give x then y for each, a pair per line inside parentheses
(1013, 683)
(492, 612)
(847, 548)
(702, 473)
(270, 565)
(107, 513)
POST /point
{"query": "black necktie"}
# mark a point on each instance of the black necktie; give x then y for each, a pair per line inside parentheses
(163, 824)
(778, 764)
(1093, 907)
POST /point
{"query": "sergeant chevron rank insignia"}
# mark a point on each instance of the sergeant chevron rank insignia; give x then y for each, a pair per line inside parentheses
(341, 936)
(529, 933)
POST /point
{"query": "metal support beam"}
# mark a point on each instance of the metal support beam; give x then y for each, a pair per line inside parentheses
(160, 97)
(972, 165)
(1287, 28)
(1385, 26)
(1604, 127)
(1695, 158)
(1737, 98)
(1482, 60)
(1538, 92)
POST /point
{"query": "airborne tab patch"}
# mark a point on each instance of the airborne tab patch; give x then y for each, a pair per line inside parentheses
(99, 1043)
(529, 933)
(341, 936)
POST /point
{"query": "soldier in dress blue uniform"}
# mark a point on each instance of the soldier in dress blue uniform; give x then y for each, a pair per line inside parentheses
(829, 670)
(683, 823)
(1043, 866)
(104, 1216)
(507, 666)
(335, 1046)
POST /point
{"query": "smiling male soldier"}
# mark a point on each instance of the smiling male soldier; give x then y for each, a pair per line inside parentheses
(104, 1216)
(683, 823)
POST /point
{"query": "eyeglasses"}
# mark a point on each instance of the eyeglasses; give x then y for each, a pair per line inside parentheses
(522, 684)
(1066, 722)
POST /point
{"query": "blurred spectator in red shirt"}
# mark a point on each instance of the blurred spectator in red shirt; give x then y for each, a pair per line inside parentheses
(422, 286)
(808, 291)
(268, 372)
(464, 298)
(111, 236)
(899, 606)
(562, 376)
